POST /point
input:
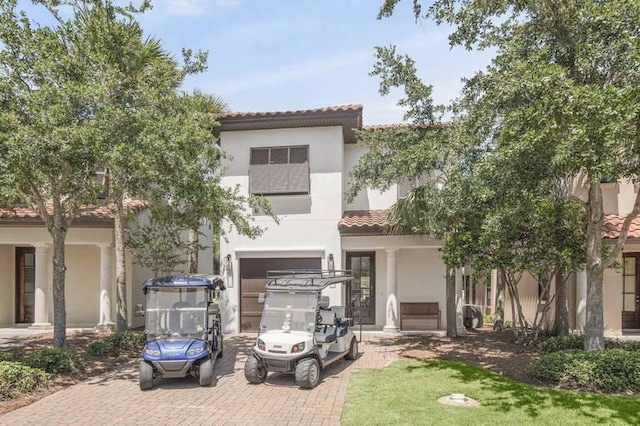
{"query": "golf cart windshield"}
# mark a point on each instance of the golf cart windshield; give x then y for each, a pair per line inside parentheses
(289, 311)
(176, 312)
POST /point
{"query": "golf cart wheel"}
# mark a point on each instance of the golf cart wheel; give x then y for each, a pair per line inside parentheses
(220, 345)
(353, 350)
(205, 373)
(146, 375)
(308, 373)
(254, 370)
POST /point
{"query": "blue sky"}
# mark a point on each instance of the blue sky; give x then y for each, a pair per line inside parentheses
(278, 55)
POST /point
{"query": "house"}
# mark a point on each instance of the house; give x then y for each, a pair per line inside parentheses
(621, 286)
(26, 264)
(300, 161)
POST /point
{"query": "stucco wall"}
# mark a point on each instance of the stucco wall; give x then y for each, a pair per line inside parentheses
(308, 223)
(82, 285)
(421, 278)
(368, 199)
(618, 197)
(7, 285)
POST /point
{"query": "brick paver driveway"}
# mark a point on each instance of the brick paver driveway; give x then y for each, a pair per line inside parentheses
(115, 399)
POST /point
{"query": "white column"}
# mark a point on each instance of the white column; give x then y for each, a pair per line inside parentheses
(106, 284)
(391, 306)
(581, 299)
(460, 303)
(41, 309)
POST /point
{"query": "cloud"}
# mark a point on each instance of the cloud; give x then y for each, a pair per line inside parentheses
(293, 71)
(187, 7)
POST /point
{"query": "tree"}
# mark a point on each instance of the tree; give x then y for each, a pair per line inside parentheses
(46, 161)
(417, 153)
(560, 101)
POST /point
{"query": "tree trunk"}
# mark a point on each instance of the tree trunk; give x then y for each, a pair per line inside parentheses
(59, 234)
(121, 275)
(216, 248)
(193, 250)
(594, 324)
(498, 312)
(561, 322)
(452, 316)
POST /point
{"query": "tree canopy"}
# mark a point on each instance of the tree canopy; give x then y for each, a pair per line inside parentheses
(558, 106)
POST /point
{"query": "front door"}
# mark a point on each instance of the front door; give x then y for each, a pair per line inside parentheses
(631, 291)
(25, 284)
(361, 293)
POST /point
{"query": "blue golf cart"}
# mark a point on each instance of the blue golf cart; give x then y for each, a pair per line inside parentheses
(182, 327)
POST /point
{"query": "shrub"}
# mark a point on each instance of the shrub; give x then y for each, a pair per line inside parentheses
(488, 319)
(114, 344)
(9, 356)
(55, 361)
(17, 378)
(562, 343)
(614, 370)
(576, 341)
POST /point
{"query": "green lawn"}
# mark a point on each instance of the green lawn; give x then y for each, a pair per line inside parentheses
(406, 391)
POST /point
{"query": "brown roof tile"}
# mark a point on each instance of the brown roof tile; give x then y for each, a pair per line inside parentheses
(337, 108)
(405, 126)
(349, 117)
(376, 220)
(363, 220)
(101, 212)
(613, 225)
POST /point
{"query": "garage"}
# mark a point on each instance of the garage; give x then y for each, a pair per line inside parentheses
(253, 278)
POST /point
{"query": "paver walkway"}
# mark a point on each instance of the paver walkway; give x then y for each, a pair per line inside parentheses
(115, 398)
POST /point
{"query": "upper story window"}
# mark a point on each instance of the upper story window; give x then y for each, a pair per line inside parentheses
(279, 170)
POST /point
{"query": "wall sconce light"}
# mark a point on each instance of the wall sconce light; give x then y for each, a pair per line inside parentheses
(227, 270)
(330, 263)
(227, 267)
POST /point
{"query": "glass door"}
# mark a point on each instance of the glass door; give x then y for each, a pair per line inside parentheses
(361, 292)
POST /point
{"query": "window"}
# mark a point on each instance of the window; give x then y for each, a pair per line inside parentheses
(279, 170)
(629, 285)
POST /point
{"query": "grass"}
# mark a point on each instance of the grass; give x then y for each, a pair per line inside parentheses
(406, 392)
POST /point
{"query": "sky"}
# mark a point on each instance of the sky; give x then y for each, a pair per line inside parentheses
(283, 55)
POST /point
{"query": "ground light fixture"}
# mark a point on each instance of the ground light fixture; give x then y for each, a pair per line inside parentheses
(458, 400)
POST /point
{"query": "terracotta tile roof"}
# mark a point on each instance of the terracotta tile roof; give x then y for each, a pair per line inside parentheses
(337, 108)
(613, 225)
(363, 221)
(98, 213)
(349, 117)
(404, 126)
(376, 220)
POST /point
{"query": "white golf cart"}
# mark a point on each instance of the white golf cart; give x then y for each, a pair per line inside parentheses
(299, 332)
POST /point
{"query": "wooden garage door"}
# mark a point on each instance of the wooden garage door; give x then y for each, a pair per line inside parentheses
(253, 278)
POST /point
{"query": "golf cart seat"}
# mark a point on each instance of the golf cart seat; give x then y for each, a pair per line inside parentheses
(326, 330)
(177, 319)
(341, 324)
(323, 303)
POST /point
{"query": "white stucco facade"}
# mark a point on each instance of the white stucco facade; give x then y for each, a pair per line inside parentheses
(407, 268)
(90, 293)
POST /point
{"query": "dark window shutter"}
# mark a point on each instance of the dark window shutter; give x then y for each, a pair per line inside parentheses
(278, 178)
(299, 177)
(259, 178)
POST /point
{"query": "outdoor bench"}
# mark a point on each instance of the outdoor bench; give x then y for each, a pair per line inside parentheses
(419, 311)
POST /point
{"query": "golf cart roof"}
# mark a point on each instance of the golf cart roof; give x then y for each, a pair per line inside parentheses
(306, 279)
(191, 281)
